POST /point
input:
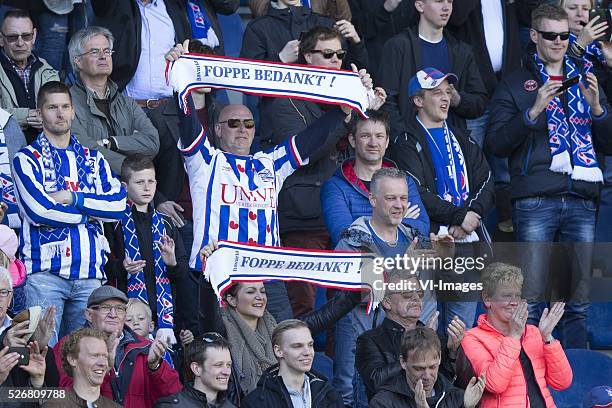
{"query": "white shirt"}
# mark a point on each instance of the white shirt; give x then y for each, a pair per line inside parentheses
(156, 37)
(6, 323)
(493, 21)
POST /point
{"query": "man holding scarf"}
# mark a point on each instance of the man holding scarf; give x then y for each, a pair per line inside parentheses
(65, 191)
(548, 133)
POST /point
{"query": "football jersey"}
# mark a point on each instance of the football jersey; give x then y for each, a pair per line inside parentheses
(235, 197)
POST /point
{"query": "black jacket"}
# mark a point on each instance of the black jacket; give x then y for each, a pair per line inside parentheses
(413, 155)
(377, 356)
(142, 222)
(467, 25)
(189, 397)
(527, 145)
(299, 203)
(265, 36)
(122, 18)
(397, 394)
(272, 393)
(376, 25)
(402, 60)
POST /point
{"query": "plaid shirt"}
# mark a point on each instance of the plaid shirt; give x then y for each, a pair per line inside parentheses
(24, 73)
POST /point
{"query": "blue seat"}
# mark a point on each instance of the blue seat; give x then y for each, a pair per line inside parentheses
(599, 325)
(590, 369)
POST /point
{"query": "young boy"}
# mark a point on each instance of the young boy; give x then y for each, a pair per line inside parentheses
(148, 250)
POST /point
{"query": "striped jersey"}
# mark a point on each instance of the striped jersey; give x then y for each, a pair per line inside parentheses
(66, 240)
(235, 197)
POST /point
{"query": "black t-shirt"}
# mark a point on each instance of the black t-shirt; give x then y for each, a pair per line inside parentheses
(533, 389)
(366, 183)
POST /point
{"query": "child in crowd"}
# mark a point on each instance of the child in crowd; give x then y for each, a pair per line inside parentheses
(148, 252)
(8, 248)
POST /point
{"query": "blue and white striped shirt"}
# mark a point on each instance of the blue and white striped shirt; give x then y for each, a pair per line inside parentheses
(66, 240)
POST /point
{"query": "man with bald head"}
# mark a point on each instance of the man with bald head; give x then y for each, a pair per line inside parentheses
(234, 193)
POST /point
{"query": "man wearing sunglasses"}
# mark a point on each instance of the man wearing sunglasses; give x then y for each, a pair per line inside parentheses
(546, 127)
(235, 194)
(22, 73)
(209, 359)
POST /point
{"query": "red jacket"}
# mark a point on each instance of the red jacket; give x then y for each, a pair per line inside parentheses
(486, 349)
(136, 386)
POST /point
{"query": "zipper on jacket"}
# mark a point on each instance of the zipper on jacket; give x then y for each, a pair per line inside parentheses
(527, 157)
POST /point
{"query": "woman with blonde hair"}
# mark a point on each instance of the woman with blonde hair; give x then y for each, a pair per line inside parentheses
(520, 360)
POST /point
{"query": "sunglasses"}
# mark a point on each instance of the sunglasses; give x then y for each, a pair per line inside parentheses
(327, 54)
(211, 337)
(234, 123)
(552, 36)
(13, 38)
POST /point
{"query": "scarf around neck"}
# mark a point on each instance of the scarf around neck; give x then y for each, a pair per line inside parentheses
(569, 133)
(452, 182)
(201, 27)
(251, 350)
(136, 286)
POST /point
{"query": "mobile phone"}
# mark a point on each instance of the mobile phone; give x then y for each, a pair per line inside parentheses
(24, 354)
(568, 83)
(605, 15)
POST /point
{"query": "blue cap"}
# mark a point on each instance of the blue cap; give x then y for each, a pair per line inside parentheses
(428, 78)
(599, 397)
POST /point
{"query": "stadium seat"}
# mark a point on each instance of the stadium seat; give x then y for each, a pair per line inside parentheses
(599, 325)
(590, 369)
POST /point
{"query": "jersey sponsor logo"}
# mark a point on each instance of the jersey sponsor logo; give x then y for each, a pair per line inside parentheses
(238, 195)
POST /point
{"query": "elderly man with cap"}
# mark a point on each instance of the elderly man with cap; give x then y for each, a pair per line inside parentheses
(454, 181)
(140, 375)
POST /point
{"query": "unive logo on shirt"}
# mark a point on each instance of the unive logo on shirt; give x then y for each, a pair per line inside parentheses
(72, 185)
(237, 195)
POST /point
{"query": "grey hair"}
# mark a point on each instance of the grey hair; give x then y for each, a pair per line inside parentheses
(385, 172)
(76, 46)
(5, 275)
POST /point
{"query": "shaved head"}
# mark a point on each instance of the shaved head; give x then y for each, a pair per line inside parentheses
(235, 129)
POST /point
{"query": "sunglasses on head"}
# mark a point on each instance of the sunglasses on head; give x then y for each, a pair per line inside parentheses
(211, 337)
(552, 36)
(13, 38)
(327, 54)
(234, 123)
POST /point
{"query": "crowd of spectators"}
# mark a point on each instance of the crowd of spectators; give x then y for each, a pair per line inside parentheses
(488, 122)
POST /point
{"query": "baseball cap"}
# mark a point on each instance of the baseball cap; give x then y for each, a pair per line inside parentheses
(599, 397)
(428, 78)
(103, 293)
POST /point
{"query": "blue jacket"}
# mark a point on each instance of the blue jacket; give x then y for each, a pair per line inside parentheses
(344, 198)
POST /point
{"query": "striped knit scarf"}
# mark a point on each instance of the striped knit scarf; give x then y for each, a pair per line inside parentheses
(136, 286)
(201, 27)
(7, 188)
(571, 134)
(54, 241)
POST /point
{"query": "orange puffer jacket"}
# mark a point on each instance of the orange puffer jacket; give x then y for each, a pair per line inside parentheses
(485, 349)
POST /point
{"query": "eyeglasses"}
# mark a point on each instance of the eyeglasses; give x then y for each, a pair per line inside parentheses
(211, 337)
(5, 292)
(234, 123)
(106, 309)
(96, 52)
(552, 36)
(13, 38)
(327, 54)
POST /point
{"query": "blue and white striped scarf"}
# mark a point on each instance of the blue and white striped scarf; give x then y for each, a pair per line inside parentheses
(136, 287)
(570, 138)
